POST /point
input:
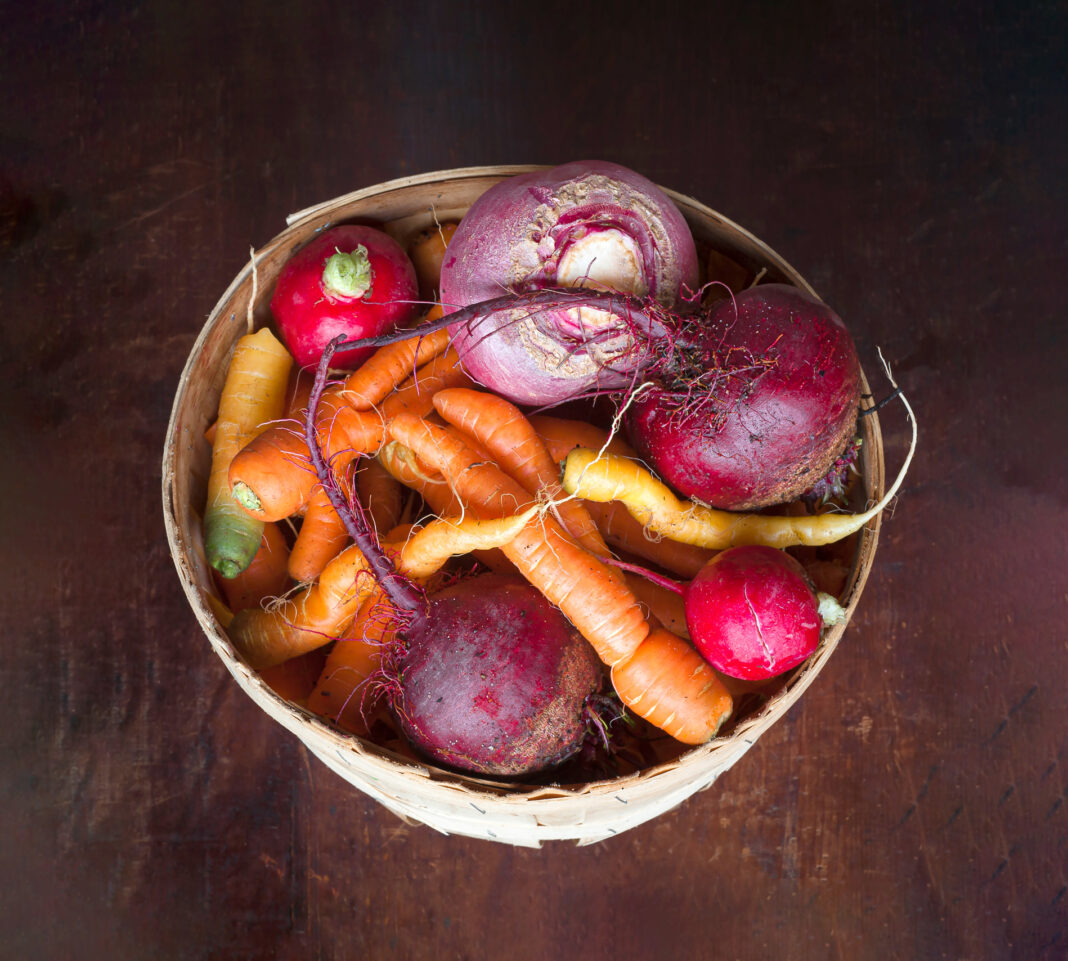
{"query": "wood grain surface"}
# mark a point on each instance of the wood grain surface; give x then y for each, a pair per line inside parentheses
(907, 159)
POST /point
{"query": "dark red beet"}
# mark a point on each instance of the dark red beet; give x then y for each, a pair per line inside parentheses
(761, 406)
(495, 679)
(752, 613)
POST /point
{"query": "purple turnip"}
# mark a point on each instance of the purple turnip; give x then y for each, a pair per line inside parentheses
(588, 224)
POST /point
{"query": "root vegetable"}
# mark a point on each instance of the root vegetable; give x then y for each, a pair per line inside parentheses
(352, 280)
(505, 701)
(253, 395)
(584, 224)
(758, 407)
(752, 613)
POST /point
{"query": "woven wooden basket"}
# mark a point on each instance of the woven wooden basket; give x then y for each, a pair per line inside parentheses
(452, 803)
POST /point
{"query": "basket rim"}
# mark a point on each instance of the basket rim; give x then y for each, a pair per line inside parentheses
(389, 764)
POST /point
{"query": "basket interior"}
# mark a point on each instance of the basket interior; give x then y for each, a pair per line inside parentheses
(404, 208)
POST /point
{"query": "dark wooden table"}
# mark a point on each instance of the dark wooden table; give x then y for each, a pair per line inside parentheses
(909, 162)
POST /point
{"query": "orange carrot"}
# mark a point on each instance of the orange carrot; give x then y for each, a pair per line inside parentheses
(562, 436)
(265, 577)
(295, 679)
(381, 495)
(624, 533)
(663, 604)
(272, 477)
(604, 611)
(369, 385)
(340, 693)
(323, 610)
(321, 538)
(669, 684)
(426, 252)
(402, 464)
(503, 429)
(311, 618)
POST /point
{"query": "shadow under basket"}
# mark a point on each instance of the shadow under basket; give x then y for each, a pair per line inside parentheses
(512, 813)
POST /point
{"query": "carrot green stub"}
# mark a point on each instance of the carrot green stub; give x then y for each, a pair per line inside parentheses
(254, 394)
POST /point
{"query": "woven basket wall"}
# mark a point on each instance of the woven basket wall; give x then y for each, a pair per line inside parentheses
(452, 803)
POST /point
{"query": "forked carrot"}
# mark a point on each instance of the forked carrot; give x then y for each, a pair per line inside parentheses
(253, 394)
(599, 605)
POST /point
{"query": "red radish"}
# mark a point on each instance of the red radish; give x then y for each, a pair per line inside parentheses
(752, 613)
(587, 224)
(495, 680)
(758, 407)
(350, 280)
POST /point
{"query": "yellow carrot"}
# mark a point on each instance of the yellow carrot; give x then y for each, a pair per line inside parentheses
(254, 394)
(606, 478)
(429, 548)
